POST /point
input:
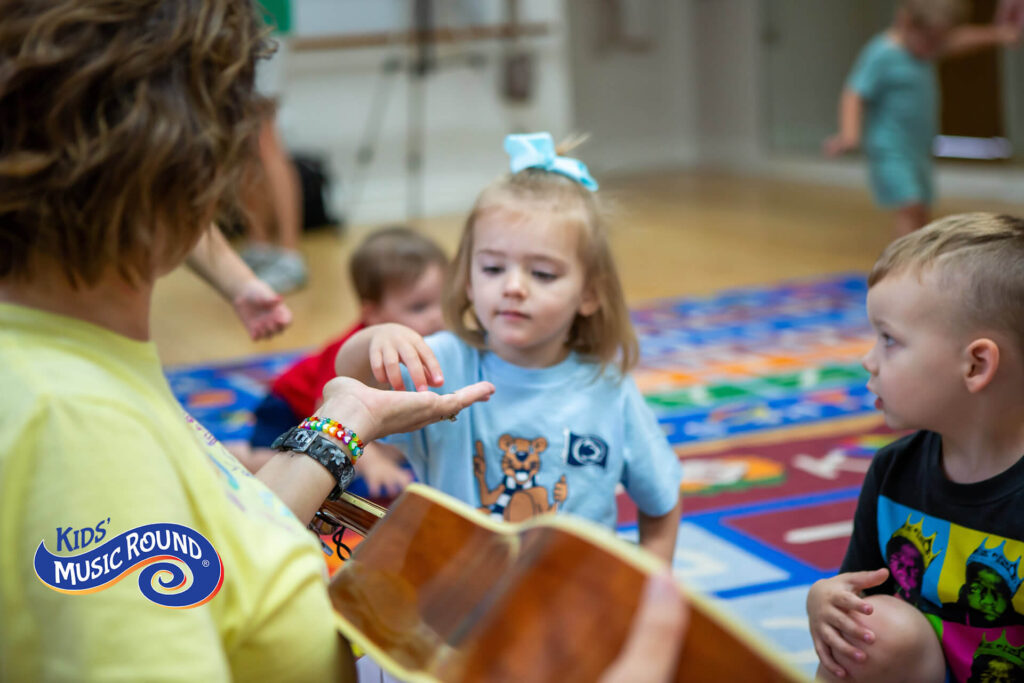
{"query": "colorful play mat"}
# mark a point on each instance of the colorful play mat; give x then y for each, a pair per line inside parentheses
(766, 513)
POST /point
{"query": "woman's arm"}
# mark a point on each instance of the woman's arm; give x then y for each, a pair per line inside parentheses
(658, 534)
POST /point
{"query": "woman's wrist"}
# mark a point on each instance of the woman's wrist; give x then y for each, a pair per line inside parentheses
(339, 434)
(351, 413)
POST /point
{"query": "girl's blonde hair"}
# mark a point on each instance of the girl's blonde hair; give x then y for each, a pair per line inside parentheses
(603, 337)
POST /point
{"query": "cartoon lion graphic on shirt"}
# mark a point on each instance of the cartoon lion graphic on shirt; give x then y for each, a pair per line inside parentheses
(517, 497)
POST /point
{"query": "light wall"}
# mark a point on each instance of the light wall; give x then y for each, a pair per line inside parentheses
(730, 57)
(335, 102)
(695, 97)
(636, 97)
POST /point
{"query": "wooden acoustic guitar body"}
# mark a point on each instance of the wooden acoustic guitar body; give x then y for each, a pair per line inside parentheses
(438, 592)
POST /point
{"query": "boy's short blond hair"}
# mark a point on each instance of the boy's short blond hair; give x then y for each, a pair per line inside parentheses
(980, 256)
(933, 13)
(392, 257)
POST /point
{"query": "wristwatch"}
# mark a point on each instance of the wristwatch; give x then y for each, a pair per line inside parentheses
(322, 449)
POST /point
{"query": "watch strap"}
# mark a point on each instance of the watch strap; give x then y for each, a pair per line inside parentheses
(322, 449)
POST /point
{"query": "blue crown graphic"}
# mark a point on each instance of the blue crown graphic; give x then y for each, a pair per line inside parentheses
(996, 560)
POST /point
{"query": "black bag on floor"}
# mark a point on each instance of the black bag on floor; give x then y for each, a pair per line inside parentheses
(315, 184)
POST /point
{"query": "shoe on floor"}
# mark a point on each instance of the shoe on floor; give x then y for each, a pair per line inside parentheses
(258, 255)
(285, 273)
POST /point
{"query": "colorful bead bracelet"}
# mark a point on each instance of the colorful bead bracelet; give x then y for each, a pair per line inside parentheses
(337, 431)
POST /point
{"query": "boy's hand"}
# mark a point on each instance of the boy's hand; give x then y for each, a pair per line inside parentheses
(372, 413)
(833, 628)
(837, 145)
(394, 345)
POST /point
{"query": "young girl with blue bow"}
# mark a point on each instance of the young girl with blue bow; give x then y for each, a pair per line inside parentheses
(534, 306)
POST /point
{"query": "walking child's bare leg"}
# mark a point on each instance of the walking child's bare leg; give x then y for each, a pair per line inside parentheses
(910, 218)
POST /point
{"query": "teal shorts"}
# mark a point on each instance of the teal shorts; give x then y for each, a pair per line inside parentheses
(898, 181)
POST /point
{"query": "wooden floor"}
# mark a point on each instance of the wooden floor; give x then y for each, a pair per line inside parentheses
(675, 234)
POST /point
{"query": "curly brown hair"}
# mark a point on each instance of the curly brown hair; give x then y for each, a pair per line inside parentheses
(125, 126)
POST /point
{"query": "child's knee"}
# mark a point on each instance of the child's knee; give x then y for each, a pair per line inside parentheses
(902, 635)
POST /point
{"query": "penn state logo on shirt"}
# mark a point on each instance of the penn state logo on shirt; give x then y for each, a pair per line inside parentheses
(585, 449)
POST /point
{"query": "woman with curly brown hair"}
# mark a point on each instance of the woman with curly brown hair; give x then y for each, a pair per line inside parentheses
(124, 128)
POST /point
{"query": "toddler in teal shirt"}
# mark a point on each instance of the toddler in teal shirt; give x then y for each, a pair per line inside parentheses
(890, 103)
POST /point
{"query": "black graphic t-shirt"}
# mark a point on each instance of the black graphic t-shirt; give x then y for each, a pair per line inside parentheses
(953, 550)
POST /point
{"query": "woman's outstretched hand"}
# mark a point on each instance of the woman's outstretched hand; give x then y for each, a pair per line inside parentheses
(302, 483)
(373, 413)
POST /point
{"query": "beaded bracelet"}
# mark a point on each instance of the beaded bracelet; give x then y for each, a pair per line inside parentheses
(336, 430)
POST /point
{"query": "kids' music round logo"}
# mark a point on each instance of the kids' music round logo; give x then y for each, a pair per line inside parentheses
(177, 566)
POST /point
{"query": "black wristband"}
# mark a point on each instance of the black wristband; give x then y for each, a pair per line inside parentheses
(322, 449)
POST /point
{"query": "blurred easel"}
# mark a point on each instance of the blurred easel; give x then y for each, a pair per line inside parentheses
(418, 64)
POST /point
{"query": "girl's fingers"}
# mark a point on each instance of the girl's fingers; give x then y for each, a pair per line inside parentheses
(410, 357)
(392, 367)
(428, 369)
(377, 366)
(434, 376)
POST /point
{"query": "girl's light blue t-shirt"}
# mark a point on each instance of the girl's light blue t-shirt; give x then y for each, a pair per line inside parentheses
(539, 426)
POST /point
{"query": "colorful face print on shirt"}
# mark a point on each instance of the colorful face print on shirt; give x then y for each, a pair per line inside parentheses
(982, 655)
(908, 554)
(968, 582)
(991, 580)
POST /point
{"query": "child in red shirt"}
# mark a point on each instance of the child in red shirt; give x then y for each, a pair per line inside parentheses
(397, 274)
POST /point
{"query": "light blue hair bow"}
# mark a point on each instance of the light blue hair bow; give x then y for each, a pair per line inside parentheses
(537, 150)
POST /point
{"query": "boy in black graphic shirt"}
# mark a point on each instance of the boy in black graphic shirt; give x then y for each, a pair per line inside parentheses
(930, 584)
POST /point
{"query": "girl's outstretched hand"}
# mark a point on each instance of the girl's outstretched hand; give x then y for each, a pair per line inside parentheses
(830, 603)
(393, 346)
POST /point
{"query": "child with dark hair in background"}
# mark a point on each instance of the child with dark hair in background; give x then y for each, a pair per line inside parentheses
(397, 274)
(890, 104)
